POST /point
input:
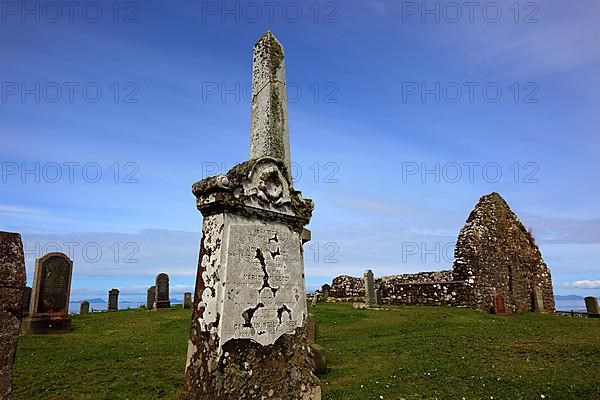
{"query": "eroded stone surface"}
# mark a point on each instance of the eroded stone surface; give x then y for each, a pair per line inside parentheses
(369, 284)
(247, 337)
(113, 300)
(150, 297)
(269, 131)
(50, 294)
(84, 308)
(591, 305)
(187, 300)
(12, 285)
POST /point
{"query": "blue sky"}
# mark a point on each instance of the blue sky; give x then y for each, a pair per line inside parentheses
(401, 116)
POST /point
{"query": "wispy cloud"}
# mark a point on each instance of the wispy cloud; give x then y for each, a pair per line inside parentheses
(583, 284)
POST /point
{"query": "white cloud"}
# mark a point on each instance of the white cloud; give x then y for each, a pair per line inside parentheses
(583, 284)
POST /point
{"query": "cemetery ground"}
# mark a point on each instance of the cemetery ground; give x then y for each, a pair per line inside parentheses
(404, 352)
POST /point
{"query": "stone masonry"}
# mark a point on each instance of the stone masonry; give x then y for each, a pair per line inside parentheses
(494, 254)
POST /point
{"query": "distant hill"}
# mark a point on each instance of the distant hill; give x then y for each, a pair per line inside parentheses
(91, 301)
(569, 297)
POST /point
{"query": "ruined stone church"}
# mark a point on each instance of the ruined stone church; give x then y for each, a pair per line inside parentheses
(495, 258)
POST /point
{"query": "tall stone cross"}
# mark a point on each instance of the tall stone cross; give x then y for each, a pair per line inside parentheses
(248, 332)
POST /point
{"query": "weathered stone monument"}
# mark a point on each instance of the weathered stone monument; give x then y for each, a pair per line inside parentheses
(26, 301)
(247, 338)
(48, 312)
(538, 300)
(162, 292)
(187, 300)
(311, 328)
(370, 298)
(113, 300)
(378, 297)
(12, 286)
(591, 305)
(84, 307)
(150, 297)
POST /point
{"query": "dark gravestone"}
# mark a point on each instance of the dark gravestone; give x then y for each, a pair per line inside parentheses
(187, 300)
(378, 297)
(26, 301)
(12, 285)
(162, 292)
(150, 297)
(48, 312)
(113, 300)
(499, 306)
(84, 308)
(319, 356)
(326, 291)
(591, 304)
(369, 288)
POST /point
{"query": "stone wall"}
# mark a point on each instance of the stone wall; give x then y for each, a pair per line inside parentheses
(494, 255)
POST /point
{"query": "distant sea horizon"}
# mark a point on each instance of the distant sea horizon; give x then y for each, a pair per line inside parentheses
(563, 303)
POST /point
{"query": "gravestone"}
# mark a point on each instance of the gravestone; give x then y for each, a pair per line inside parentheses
(591, 305)
(12, 286)
(113, 300)
(26, 301)
(84, 307)
(538, 300)
(162, 292)
(378, 297)
(150, 297)
(50, 293)
(326, 291)
(498, 307)
(369, 288)
(320, 358)
(187, 300)
(248, 335)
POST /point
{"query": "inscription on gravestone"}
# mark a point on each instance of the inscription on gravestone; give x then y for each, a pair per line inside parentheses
(50, 294)
(162, 292)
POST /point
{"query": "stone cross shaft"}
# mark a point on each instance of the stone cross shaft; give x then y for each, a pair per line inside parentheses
(269, 132)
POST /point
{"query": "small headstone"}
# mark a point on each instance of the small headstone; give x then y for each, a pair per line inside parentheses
(12, 285)
(50, 293)
(84, 307)
(315, 299)
(162, 292)
(187, 300)
(320, 358)
(150, 297)
(326, 291)
(26, 301)
(369, 288)
(538, 300)
(378, 298)
(591, 304)
(113, 300)
(311, 328)
(499, 307)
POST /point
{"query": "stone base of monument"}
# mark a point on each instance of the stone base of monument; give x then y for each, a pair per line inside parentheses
(48, 325)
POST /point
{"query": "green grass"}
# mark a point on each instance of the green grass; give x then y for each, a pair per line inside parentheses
(406, 352)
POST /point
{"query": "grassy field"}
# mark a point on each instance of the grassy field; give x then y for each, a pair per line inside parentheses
(403, 353)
